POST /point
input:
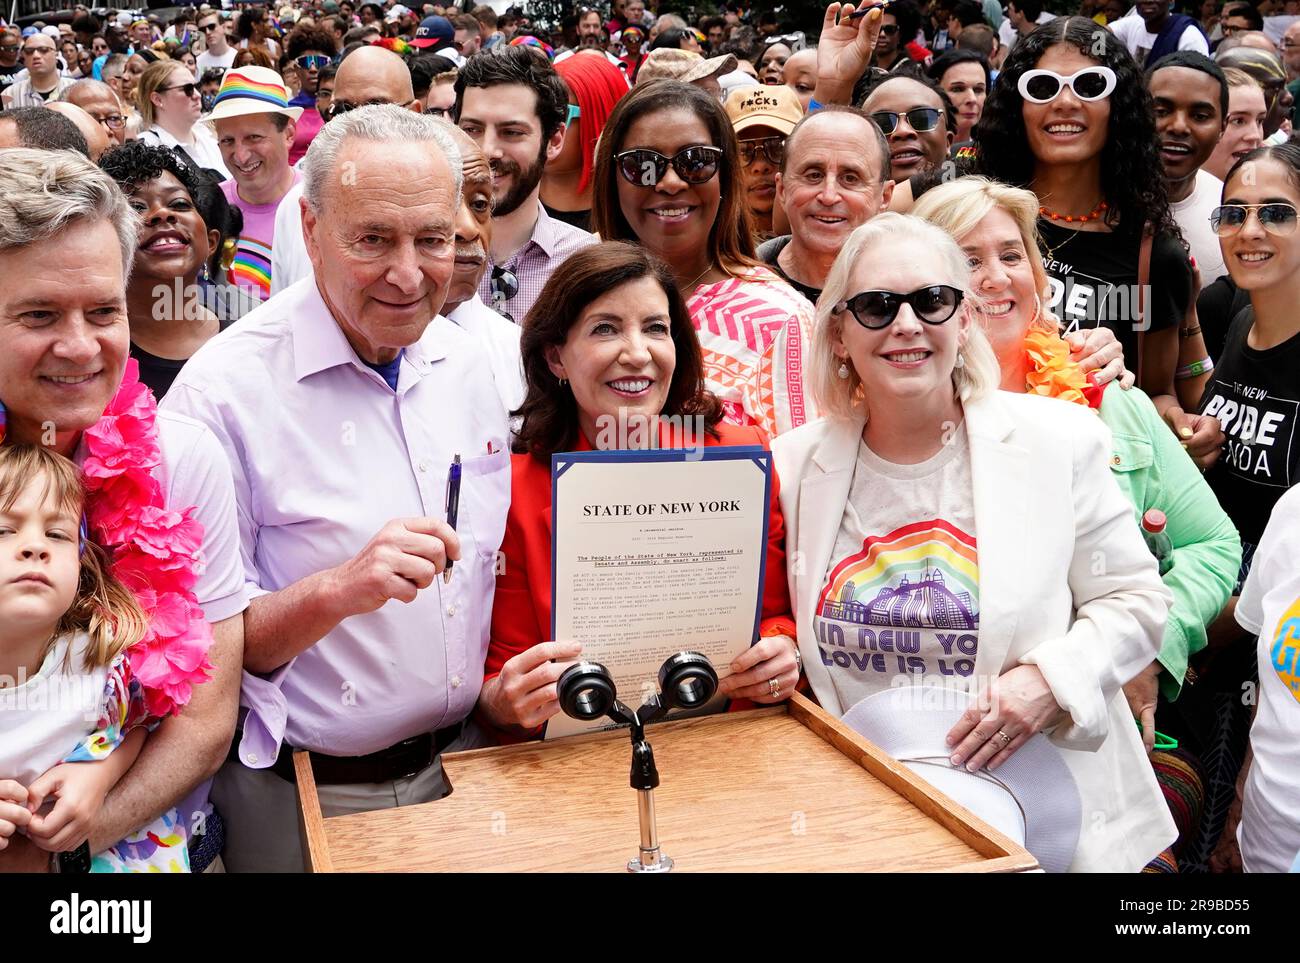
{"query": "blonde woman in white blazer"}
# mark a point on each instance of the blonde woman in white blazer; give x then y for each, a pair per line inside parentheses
(941, 531)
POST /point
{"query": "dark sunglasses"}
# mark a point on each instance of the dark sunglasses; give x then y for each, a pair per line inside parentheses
(313, 61)
(646, 168)
(878, 309)
(188, 88)
(209, 26)
(1278, 219)
(773, 148)
(889, 29)
(340, 107)
(920, 119)
(504, 286)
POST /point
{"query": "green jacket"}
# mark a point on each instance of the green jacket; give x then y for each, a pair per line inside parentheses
(1155, 471)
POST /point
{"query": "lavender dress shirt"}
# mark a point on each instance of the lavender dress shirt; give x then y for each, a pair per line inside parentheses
(532, 264)
(324, 453)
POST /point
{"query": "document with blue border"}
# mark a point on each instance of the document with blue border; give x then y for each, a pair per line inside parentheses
(653, 553)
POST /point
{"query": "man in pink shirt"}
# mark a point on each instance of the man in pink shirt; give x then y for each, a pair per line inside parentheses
(255, 127)
(341, 404)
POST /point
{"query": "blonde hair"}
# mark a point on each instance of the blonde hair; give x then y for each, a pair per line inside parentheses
(154, 78)
(1236, 77)
(959, 206)
(103, 607)
(845, 397)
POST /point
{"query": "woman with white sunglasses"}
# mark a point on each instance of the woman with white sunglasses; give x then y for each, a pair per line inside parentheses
(1071, 119)
(947, 533)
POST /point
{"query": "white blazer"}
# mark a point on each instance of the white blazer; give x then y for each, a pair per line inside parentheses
(1065, 582)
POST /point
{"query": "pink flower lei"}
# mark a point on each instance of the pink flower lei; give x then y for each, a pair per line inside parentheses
(154, 551)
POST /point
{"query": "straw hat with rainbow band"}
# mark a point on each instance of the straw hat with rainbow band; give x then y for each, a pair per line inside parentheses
(251, 90)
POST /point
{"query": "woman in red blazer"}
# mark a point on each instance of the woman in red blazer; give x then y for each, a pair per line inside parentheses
(608, 343)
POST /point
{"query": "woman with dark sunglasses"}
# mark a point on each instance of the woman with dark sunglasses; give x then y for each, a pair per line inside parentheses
(1254, 391)
(310, 50)
(948, 535)
(1071, 119)
(170, 107)
(668, 175)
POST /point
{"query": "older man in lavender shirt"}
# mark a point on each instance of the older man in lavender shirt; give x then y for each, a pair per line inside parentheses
(341, 404)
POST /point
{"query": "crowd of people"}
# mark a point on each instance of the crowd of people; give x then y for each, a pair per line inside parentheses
(1011, 294)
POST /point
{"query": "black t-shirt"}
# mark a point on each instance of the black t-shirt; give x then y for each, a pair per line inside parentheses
(159, 373)
(1217, 305)
(769, 251)
(579, 219)
(1094, 274)
(9, 75)
(1256, 397)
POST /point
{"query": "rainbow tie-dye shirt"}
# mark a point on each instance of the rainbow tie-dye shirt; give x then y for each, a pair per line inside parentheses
(900, 601)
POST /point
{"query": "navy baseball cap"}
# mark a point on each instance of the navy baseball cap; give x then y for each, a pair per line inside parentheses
(434, 31)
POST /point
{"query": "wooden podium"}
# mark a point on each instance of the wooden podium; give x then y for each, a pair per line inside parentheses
(784, 789)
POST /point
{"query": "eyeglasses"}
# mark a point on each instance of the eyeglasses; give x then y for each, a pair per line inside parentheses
(920, 119)
(209, 26)
(112, 121)
(28, 51)
(574, 113)
(504, 286)
(188, 88)
(9, 47)
(313, 61)
(874, 310)
(1277, 219)
(889, 29)
(1088, 84)
(646, 168)
(435, 111)
(773, 148)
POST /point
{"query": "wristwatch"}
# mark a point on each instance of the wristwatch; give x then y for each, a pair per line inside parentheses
(73, 861)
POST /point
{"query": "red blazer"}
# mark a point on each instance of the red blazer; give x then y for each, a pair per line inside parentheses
(521, 614)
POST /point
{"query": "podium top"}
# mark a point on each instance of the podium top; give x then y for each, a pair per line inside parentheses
(787, 789)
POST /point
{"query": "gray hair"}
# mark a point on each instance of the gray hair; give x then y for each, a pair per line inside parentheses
(43, 192)
(381, 123)
(846, 397)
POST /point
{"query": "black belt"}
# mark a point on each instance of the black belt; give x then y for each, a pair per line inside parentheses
(399, 761)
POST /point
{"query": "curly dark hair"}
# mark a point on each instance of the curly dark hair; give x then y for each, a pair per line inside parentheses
(517, 65)
(1131, 175)
(136, 163)
(549, 411)
(304, 39)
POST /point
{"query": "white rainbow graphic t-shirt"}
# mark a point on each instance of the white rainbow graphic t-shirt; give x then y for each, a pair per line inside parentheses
(900, 601)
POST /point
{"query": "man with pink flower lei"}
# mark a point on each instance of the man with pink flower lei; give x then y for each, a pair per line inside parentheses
(160, 494)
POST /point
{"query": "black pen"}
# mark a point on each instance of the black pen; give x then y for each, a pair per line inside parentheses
(863, 11)
(453, 505)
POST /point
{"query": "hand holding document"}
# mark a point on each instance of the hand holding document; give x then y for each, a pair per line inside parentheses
(657, 552)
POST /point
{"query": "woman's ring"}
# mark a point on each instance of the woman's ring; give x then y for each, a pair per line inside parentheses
(773, 687)
(1006, 739)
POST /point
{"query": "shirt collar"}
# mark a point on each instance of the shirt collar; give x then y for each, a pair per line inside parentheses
(544, 231)
(320, 344)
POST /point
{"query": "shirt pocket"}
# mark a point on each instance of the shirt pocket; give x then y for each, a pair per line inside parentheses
(485, 500)
(1131, 453)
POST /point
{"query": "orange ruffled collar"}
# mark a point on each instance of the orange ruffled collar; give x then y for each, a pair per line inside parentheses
(1052, 373)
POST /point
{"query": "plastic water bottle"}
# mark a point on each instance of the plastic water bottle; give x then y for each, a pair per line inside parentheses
(1153, 530)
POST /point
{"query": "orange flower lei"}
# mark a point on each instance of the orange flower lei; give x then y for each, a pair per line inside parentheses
(1052, 373)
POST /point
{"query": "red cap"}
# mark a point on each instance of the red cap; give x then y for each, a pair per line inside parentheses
(1154, 520)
